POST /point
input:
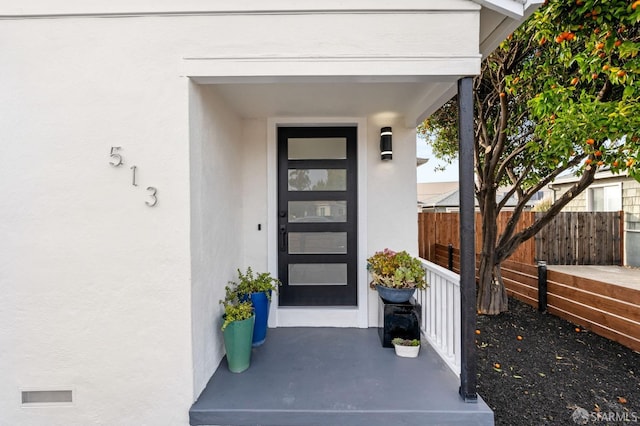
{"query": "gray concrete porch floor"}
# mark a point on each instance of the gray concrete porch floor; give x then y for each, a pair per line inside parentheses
(335, 377)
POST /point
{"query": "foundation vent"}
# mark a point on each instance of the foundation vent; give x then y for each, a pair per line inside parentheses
(46, 397)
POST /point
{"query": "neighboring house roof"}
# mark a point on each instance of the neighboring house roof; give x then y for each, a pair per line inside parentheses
(600, 175)
(452, 199)
(431, 190)
(448, 199)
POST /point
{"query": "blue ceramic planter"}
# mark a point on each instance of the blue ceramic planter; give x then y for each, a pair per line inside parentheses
(395, 295)
(261, 304)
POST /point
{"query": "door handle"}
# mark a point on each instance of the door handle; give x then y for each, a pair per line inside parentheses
(283, 238)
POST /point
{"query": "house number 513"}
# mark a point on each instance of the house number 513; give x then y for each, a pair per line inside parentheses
(117, 160)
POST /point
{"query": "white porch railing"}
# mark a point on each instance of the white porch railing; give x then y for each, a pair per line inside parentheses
(441, 313)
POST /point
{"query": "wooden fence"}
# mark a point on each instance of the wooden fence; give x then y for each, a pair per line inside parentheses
(606, 309)
(573, 238)
(444, 228)
(582, 238)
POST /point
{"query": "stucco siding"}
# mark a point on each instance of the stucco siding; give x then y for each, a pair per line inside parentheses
(95, 284)
(216, 214)
(392, 187)
(255, 193)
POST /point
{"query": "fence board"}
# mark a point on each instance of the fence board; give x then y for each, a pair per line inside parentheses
(525, 269)
(444, 229)
(585, 284)
(607, 304)
(606, 309)
(581, 238)
(571, 238)
(562, 240)
(594, 316)
(522, 292)
(623, 339)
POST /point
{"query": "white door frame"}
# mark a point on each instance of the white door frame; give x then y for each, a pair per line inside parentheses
(317, 316)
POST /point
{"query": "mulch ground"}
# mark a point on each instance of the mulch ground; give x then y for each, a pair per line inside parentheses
(555, 373)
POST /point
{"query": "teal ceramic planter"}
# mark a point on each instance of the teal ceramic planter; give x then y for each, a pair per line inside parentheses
(237, 342)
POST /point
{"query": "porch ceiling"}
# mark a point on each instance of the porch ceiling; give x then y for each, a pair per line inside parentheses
(412, 86)
(413, 97)
(322, 99)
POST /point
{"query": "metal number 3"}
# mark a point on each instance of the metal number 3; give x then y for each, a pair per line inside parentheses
(153, 195)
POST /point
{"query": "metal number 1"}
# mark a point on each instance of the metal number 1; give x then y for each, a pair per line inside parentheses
(134, 175)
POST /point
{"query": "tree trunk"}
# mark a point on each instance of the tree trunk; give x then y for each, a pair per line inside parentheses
(492, 295)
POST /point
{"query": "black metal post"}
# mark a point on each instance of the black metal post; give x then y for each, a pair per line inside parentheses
(542, 286)
(468, 366)
(450, 252)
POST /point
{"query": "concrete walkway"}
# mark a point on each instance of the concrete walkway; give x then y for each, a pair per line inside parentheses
(618, 275)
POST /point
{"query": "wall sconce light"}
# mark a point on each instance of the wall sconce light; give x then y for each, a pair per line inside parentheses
(386, 150)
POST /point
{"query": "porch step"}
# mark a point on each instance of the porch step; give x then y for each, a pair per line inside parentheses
(335, 376)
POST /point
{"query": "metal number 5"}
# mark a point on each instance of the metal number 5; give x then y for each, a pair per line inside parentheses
(115, 156)
(153, 195)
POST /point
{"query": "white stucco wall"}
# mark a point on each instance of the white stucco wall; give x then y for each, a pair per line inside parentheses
(95, 284)
(216, 221)
(392, 188)
(255, 163)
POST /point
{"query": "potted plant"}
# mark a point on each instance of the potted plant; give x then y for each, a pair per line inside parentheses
(237, 331)
(396, 275)
(257, 288)
(407, 348)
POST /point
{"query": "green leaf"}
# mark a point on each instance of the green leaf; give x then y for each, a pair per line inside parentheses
(628, 92)
(548, 118)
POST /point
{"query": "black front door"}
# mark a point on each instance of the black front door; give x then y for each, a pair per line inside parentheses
(317, 216)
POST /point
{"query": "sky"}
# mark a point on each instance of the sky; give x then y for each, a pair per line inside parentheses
(426, 172)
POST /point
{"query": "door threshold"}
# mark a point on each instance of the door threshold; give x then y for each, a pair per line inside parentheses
(318, 316)
(341, 307)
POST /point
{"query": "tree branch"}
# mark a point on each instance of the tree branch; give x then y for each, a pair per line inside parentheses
(506, 246)
(604, 92)
(501, 134)
(501, 170)
(516, 182)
